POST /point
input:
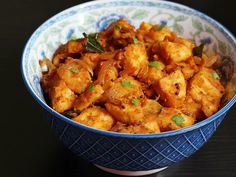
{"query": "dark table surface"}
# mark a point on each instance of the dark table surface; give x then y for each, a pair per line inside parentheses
(29, 148)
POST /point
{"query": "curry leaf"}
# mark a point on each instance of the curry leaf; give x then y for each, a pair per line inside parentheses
(197, 51)
(160, 27)
(93, 44)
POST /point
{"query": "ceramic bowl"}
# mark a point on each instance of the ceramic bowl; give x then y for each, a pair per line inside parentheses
(128, 154)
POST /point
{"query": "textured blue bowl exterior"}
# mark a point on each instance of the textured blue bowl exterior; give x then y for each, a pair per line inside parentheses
(134, 154)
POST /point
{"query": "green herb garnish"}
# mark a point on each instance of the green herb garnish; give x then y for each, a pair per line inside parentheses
(155, 64)
(72, 38)
(178, 119)
(126, 83)
(197, 51)
(160, 27)
(92, 87)
(74, 70)
(135, 40)
(93, 44)
(117, 27)
(135, 102)
(215, 76)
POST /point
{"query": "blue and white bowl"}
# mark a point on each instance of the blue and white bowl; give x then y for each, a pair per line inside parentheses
(130, 154)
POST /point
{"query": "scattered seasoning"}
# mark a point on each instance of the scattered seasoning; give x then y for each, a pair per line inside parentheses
(72, 113)
(215, 76)
(197, 51)
(72, 38)
(155, 64)
(178, 119)
(160, 27)
(126, 83)
(135, 102)
(74, 70)
(117, 27)
(135, 40)
(92, 87)
(93, 44)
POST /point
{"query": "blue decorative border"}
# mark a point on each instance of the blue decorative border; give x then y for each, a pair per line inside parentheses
(107, 3)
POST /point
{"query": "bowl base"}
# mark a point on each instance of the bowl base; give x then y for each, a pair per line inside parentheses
(130, 173)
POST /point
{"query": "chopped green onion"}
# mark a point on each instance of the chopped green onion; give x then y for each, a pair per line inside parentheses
(135, 102)
(155, 64)
(178, 119)
(160, 27)
(117, 27)
(72, 38)
(74, 70)
(126, 83)
(215, 76)
(92, 87)
(135, 40)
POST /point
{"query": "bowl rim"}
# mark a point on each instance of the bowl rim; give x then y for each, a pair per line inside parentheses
(54, 113)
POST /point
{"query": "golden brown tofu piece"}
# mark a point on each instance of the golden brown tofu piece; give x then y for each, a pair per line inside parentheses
(95, 117)
(206, 89)
(151, 107)
(156, 71)
(192, 108)
(76, 74)
(174, 52)
(156, 35)
(123, 90)
(126, 113)
(118, 35)
(173, 119)
(90, 96)
(143, 29)
(172, 89)
(149, 125)
(188, 43)
(188, 68)
(76, 46)
(135, 59)
(62, 98)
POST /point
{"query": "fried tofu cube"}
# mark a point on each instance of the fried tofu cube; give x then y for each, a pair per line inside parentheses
(188, 43)
(143, 30)
(172, 89)
(123, 90)
(126, 113)
(174, 52)
(87, 98)
(206, 89)
(192, 108)
(95, 117)
(76, 74)
(62, 98)
(149, 125)
(173, 119)
(135, 59)
(158, 34)
(156, 71)
(151, 107)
